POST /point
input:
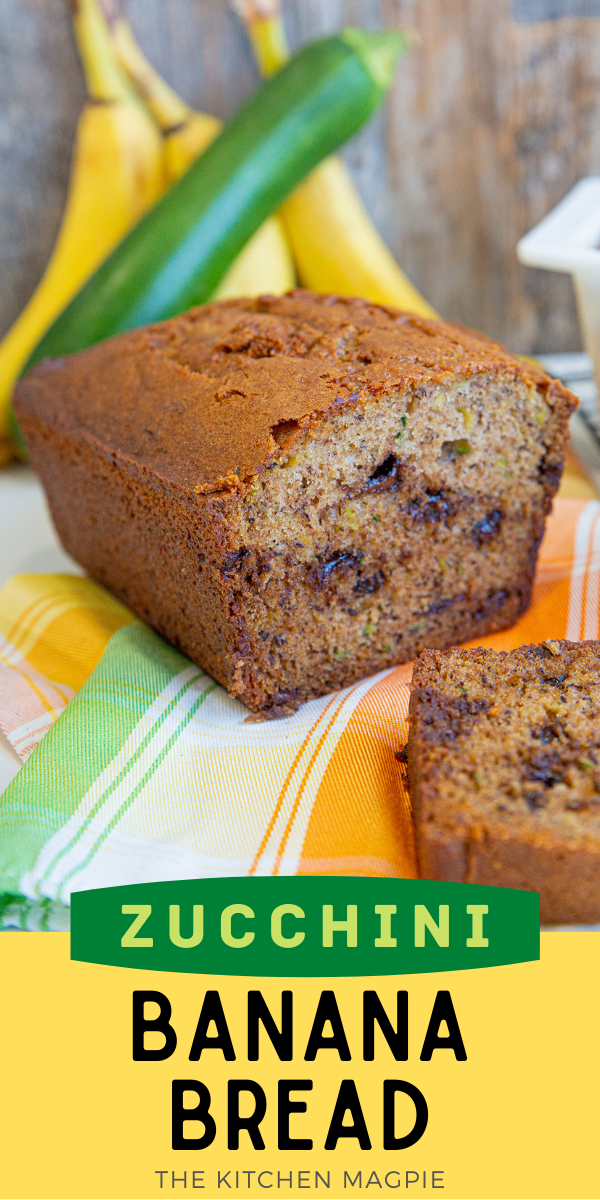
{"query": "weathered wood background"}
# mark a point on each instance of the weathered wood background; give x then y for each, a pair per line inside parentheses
(489, 124)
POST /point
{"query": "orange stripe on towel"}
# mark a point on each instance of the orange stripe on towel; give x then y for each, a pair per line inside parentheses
(361, 820)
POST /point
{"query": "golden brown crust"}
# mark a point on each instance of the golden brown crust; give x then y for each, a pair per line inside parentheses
(504, 771)
(207, 400)
(300, 492)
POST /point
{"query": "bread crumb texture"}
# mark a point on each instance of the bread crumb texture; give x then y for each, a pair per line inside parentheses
(299, 491)
(504, 769)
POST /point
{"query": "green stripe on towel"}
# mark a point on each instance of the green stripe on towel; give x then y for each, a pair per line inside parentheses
(135, 669)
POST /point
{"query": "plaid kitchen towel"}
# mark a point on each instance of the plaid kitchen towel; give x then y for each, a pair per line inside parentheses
(140, 767)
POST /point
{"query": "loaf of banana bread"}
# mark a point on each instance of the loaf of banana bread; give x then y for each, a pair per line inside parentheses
(504, 771)
(299, 491)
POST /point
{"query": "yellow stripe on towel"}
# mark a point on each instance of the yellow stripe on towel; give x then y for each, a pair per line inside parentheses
(53, 632)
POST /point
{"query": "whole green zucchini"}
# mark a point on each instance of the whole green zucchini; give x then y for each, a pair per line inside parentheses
(177, 254)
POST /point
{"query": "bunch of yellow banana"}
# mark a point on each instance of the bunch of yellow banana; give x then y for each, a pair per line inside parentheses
(335, 244)
(117, 172)
(134, 138)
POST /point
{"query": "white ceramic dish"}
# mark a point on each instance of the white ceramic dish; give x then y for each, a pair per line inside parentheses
(568, 239)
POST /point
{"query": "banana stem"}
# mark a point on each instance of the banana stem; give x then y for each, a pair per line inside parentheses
(104, 78)
(263, 23)
(167, 108)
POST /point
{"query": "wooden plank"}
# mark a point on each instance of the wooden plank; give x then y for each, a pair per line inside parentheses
(489, 124)
(41, 93)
